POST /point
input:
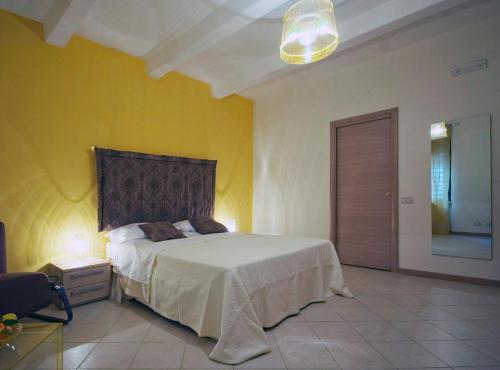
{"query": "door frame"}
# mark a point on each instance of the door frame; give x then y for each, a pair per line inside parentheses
(392, 115)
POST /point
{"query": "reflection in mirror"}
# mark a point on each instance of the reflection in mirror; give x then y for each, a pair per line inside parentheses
(461, 187)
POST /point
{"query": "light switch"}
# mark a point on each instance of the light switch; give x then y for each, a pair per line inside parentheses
(407, 200)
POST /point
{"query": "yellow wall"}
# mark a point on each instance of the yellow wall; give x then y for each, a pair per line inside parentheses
(56, 103)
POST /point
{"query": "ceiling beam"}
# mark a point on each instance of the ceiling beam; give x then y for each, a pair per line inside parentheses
(64, 19)
(218, 25)
(388, 17)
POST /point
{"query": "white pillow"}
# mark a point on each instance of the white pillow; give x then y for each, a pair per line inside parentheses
(126, 233)
(184, 226)
(191, 234)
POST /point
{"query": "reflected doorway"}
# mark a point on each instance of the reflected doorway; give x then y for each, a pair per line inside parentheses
(461, 187)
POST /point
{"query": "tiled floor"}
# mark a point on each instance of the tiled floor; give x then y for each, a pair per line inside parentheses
(462, 246)
(395, 321)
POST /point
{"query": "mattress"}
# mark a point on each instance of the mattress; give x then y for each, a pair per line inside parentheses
(229, 286)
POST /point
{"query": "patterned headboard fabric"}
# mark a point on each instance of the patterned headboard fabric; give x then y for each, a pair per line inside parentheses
(136, 187)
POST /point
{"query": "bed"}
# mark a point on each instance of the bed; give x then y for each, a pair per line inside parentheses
(227, 286)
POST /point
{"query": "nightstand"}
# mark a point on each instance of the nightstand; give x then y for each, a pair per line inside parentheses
(85, 280)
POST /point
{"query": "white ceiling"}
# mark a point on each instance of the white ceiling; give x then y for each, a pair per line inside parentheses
(230, 44)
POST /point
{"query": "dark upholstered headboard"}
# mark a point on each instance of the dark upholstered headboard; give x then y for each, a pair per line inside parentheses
(136, 187)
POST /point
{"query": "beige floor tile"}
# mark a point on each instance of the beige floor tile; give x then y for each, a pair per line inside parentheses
(421, 330)
(492, 298)
(287, 331)
(159, 356)
(163, 330)
(356, 355)
(356, 313)
(492, 326)
(407, 355)
(111, 355)
(200, 341)
(478, 368)
(475, 312)
(85, 332)
(137, 312)
(337, 300)
(105, 311)
(361, 289)
(429, 368)
(336, 331)
(320, 312)
(464, 329)
(432, 313)
(75, 353)
(394, 313)
(490, 347)
(196, 357)
(132, 316)
(378, 331)
(306, 355)
(456, 353)
(374, 300)
(408, 299)
(125, 331)
(443, 299)
(271, 360)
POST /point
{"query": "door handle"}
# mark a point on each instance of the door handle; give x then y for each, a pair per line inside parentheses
(387, 194)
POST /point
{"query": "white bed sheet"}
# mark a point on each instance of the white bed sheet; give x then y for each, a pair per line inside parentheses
(229, 286)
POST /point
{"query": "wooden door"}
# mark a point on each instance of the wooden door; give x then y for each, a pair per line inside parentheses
(364, 190)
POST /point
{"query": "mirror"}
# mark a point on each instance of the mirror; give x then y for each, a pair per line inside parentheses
(461, 187)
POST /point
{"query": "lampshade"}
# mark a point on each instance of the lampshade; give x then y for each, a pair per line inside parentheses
(438, 131)
(309, 32)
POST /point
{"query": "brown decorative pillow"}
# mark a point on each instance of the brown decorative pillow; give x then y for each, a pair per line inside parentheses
(159, 231)
(207, 225)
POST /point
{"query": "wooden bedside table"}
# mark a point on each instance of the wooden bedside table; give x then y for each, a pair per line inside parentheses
(85, 280)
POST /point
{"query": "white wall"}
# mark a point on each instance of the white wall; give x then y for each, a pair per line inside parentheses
(411, 71)
(471, 175)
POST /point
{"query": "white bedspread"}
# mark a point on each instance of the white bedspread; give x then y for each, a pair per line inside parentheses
(229, 286)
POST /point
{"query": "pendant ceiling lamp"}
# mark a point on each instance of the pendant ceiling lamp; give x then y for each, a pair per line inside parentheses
(438, 131)
(309, 32)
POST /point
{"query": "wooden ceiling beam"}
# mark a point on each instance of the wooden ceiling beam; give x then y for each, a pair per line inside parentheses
(217, 26)
(64, 19)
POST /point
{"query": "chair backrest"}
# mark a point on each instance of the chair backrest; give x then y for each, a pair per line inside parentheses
(3, 249)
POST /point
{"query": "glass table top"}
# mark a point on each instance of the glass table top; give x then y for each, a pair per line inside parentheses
(39, 345)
